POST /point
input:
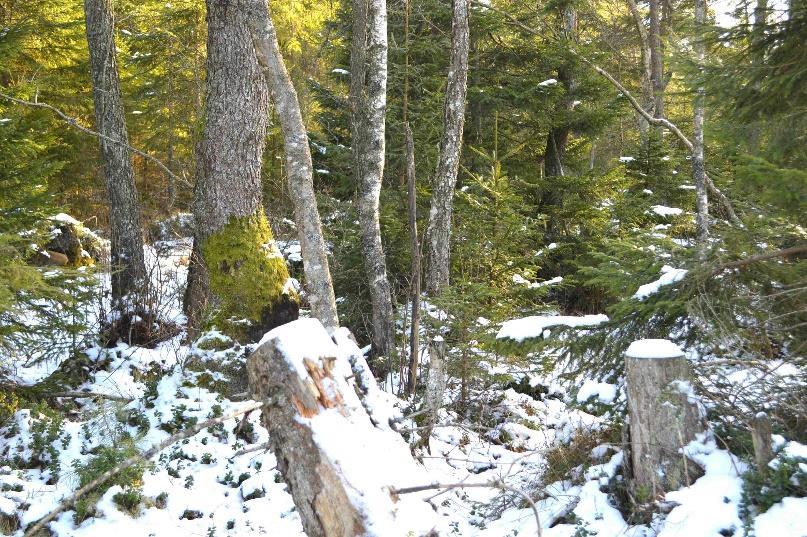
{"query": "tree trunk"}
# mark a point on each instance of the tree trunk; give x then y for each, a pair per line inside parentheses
(558, 138)
(647, 70)
(438, 232)
(236, 266)
(761, 438)
(664, 417)
(656, 58)
(127, 263)
(435, 390)
(368, 103)
(414, 335)
(298, 163)
(698, 163)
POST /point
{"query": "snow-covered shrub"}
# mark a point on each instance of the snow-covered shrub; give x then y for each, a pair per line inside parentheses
(785, 476)
(130, 479)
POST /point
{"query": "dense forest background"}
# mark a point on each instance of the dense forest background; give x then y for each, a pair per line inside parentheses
(591, 131)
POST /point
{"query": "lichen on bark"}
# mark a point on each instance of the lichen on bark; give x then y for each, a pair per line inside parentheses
(248, 278)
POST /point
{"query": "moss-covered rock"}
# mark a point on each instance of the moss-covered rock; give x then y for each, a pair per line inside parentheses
(249, 278)
(70, 238)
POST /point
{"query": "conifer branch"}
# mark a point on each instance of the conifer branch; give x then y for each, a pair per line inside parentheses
(73, 122)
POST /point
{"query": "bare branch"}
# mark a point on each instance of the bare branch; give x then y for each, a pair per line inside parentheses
(496, 484)
(794, 250)
(74, 123)
(91, 395)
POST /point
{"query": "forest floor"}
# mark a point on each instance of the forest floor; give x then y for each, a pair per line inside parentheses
(555, 446)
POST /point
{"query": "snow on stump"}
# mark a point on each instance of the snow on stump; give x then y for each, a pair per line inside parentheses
(338, 465)
(664, 417)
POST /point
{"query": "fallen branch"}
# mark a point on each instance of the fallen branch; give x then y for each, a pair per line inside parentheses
(251, 449)
(496, 484)
(794, 250)
(412, 415)
(187, 433)
(657, 121)
(91, 395)
(74, 122)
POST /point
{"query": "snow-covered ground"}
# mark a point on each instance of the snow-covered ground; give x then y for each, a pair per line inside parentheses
(218, 483)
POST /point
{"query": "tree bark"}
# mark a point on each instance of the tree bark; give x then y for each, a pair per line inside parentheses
(438, 232)
(663, 419)
(315, 416)
(698, 162)
(647, 70)
(235, 265)
(656, 58)
(761, 438)
(414, 334)
(435, 390)
(127, 262)
(298, 163)
(558, 137)
(368, 103)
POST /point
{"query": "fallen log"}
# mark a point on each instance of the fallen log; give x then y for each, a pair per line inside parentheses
(340, 466)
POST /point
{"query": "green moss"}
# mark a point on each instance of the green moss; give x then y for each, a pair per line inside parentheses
(248, 275)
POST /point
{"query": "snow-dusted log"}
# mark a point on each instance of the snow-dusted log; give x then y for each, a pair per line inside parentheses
(438, 232)
(340, 466)
(664, 417)
(128, 265)
(298, 162)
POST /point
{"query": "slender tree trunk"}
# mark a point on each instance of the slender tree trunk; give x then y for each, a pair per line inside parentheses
(647, 70)
(754, 131)
(236, 266)
(698, 163)
(558, 138)
(438, 232)
(368, 104)
(414, 336)
(656, 58)
(298, 163)
(128, 265)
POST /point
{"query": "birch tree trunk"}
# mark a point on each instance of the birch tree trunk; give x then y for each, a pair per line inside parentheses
(656, 58)
(298, 163)
(368, 104)
(698, 163)
(414, 334)
(127, 263)
(438, 232)
(236, 266)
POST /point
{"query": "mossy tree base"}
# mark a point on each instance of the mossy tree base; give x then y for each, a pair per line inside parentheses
(249, 280)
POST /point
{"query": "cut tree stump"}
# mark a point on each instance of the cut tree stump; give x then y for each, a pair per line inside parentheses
(339, 463)
(664, 417)
(761, 437)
